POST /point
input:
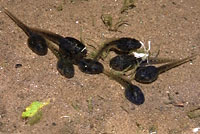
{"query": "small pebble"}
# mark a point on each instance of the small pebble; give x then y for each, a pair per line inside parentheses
(18, 65)
(54, 124)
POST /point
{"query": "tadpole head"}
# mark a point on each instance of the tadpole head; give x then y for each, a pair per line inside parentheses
(146, 74)
(127, 44)
(90, 66)
(72, 47)
(122, 62)
(37, 44)
(134, 94)
(65, 68)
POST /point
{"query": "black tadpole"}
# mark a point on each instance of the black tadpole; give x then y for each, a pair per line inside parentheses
(149, 74)
(129, 61)
(90, 66)
(65, 67)
(35, 42)
(122, 62)
(73, 48)
(132, 92)
(127, 44)
(121, 45)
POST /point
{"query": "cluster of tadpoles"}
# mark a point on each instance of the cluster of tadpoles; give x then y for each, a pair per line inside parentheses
(70, 51)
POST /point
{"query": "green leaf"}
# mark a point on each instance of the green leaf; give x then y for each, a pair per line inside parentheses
(33, 109)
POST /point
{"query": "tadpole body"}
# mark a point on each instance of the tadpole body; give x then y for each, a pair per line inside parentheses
(65, 68)
(134, 94)
(35, 42)
(122, 62)
(149, 74)
(90, 66)
(73, 48)
(64, 64)
(126, 44)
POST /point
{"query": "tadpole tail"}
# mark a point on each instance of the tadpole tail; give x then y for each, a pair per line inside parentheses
(155, 60)
(48, 34)
(174, 64)
(106, 46)
(29, 31)
(19, 23)
(124, 82)
(53, 49)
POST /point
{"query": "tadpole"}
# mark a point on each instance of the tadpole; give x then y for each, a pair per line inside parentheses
(149, 74)
(64, 64)
(35, 41)
(132, 92)
(129, 61)
(90, 66)
(122, 62)
(122, 45)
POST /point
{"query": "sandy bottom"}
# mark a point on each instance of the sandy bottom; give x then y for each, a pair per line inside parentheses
(95, 104)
